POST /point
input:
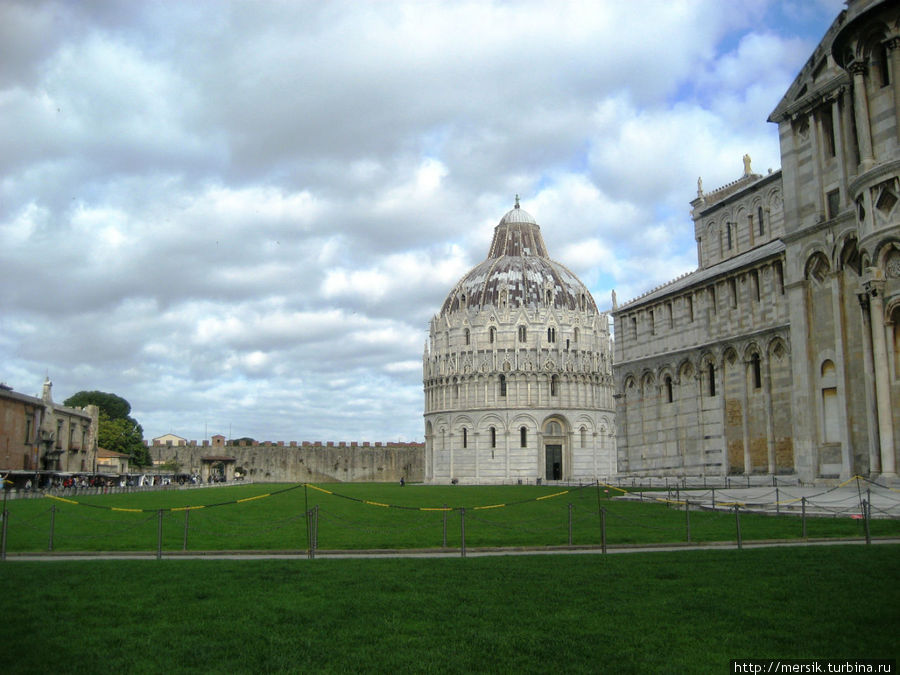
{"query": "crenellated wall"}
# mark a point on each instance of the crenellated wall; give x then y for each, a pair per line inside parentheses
(301, 462)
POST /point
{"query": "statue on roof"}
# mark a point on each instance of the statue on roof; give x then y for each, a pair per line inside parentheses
(747, 169)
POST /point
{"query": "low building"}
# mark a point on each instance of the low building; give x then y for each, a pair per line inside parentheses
(112, 462)
(37, 434)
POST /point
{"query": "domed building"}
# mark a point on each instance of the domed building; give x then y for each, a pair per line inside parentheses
(517, 371)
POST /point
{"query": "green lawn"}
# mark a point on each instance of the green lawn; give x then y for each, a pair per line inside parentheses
(531, 516)
(683, 611)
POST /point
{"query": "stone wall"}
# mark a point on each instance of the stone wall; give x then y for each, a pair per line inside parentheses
(304, 462)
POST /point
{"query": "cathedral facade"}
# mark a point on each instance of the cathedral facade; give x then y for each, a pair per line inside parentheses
(780, 354)
(517, 371)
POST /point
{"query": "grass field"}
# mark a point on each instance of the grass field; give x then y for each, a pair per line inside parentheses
(683, 611)
(529, 516)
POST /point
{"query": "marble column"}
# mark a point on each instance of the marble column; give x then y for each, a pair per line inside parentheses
(875, 289)
(861, 110)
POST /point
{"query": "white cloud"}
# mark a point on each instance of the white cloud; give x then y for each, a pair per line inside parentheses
(243, 215)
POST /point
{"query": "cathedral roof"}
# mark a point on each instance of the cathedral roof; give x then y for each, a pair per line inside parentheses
(518, 272)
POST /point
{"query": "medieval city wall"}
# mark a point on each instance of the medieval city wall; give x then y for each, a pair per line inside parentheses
(302, 462)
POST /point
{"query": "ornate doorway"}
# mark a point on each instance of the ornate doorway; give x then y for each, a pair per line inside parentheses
(554, 441)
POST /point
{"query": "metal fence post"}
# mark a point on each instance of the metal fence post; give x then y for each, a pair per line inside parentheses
(737, 520)
(159, 516)
(803, 517)
(444, 544)
(52, 526)
(866, 507)
(603, 530)
(187, 515)
(571, 506)
(315, 528)
(462, 532)
(687, 518)
(777, 503)
(3, 535)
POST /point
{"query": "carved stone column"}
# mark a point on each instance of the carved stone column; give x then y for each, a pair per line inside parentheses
(861, 110)
(893, 46)
(874, 285)
(869, 370)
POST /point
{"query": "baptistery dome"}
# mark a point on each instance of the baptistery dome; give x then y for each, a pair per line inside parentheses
(517, 370)
(519, 272)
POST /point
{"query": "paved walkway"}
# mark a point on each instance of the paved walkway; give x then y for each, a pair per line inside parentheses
(838, 501)
(448, 553)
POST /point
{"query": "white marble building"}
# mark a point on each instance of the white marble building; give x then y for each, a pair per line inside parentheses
(517, 371)
(780, 354)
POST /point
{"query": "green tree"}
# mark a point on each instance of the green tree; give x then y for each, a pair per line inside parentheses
(118, 431)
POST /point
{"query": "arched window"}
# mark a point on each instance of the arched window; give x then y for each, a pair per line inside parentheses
(551, 334)
(523, 437)
(711, 374)
(523, 333)
(757, 373)
(554, 428)
(468, 336)
(492, 333)
(554, 385)
(583, 437)
(576, 336)
(493, 437)
(668, 389)
(759, 218)
(465, 437)
(503, 385)
(830, 416)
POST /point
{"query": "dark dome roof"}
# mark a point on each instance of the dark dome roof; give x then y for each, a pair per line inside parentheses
(519, 268)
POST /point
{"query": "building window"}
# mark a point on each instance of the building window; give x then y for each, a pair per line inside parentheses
(712, 299)
(779, 277)
(59, 433)
(728, 235)
(652, 323)
(757, 374)
(492, 334)
(732, 285)
(551, 335)
(523, 437)
(827, 122)
(711, 374)
(465, 437)
(754, 280)
(576, 336)
(503, 385)
(522, 334)
(583, 437)
(634, 328)
(549, 297)
(554, 385)
(689, 300)
(881, 62)
(833, 203)
(669, 397)
(29, 423)
(493, 437)
(468, 336)
(759, 218)
(670, 315)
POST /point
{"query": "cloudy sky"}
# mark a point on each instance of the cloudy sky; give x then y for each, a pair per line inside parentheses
(240, 216)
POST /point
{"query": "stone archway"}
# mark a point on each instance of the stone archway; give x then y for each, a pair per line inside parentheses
(554, 441)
